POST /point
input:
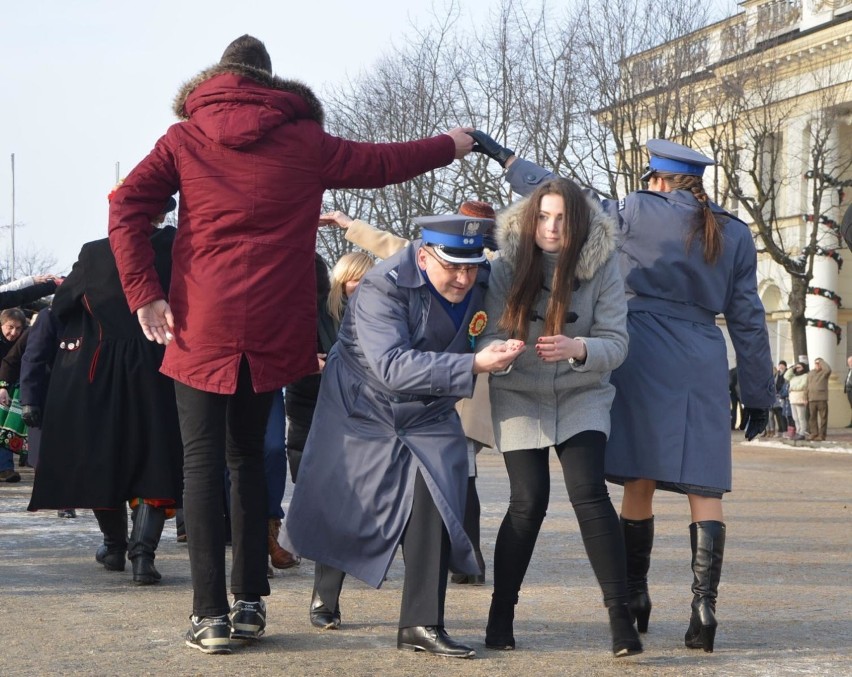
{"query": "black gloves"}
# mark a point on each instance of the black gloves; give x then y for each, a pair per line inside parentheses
(488, 146)
(756, 420)
(31, 415)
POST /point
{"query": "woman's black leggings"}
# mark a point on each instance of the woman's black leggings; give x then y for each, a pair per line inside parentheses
(582, 459)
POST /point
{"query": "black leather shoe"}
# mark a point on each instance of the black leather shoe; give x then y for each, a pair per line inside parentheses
(321, 615)
(433, 639)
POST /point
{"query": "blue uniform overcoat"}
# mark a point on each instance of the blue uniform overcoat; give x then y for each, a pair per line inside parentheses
(671, 413)
(386, 410)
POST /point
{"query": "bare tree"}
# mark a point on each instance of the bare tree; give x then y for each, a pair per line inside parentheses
(28, 261)
(637, 78)
(410, 94)
(751, 108)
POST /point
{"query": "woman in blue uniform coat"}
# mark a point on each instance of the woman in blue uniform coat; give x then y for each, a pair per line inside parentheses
(385, 462)
(684, 260)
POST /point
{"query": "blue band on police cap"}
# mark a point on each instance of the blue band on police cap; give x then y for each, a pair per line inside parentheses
(664, 164)
(456, 241)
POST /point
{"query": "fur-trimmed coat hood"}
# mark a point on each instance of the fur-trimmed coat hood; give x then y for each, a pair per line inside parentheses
(266, 101)
(599, 246)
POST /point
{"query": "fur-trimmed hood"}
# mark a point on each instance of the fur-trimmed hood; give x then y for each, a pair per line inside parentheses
(599, 246)
(184, 107)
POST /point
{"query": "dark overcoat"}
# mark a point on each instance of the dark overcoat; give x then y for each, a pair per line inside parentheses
(385, 411)
(36, 364)
(110, 429)
(671, 413)
(37, 360)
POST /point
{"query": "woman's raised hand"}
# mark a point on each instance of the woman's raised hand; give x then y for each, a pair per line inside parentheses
(335, 218)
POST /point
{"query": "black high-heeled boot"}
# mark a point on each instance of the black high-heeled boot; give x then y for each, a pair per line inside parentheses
(638, 542)
(625, 639)
(499, 631)
(708, 548)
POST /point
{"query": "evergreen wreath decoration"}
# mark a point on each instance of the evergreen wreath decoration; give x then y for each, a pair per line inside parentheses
(826, 293)
(824, 324)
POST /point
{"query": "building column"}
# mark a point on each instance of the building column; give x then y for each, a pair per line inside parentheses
(821, 304)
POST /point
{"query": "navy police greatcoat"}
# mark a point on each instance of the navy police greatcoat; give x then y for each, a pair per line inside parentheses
(671, 413)
(385, 411)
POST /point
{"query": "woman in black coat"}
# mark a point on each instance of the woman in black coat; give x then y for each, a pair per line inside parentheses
(110, 431)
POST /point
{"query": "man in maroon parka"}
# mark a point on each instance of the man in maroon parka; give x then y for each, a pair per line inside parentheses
(251, 161)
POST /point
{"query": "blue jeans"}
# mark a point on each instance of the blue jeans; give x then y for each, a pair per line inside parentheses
(275, 456)
(7, 459)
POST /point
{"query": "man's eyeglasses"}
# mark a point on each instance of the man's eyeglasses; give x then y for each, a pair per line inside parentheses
(452, 267)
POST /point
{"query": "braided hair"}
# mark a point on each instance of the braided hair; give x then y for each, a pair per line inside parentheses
(708, 229)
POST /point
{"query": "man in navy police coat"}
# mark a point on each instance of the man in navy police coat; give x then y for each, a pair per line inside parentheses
(386, 460)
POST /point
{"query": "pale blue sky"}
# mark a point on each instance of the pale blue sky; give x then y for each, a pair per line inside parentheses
(88, 83)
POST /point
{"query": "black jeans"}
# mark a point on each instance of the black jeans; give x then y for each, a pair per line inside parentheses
(219, 429)
(780, 420)
(582, 459)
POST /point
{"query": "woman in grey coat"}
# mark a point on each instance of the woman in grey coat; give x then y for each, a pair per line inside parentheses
(557, 285)
(685, 260)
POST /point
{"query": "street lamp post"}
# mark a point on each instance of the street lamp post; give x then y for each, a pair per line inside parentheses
(12, 227)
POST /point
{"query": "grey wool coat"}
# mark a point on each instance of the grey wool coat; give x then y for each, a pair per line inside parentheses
(539, 404)
(386, 410)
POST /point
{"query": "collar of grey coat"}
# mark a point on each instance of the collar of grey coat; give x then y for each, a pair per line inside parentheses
(262, 77)
(596, 251)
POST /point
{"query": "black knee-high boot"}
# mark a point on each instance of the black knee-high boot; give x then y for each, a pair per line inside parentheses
(148, 524)
(708, 547)
(638, 541)
(113, 525)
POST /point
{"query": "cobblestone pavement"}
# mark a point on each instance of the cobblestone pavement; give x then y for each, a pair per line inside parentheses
(785, 603)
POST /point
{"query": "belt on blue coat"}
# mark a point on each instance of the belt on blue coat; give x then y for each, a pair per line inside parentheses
(680, 311)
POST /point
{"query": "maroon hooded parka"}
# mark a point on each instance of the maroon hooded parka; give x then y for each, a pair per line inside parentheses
(251, 162)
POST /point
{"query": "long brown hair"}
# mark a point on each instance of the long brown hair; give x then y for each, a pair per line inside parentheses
(528, 274)
(707, 229)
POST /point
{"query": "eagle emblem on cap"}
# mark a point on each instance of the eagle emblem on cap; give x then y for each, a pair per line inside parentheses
(471, 227)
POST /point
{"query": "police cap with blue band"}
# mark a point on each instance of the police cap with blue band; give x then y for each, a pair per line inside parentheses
(673, 158)
(456, 238)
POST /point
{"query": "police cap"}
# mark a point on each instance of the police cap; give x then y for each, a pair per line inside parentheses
(671, 157)
(456, 238)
